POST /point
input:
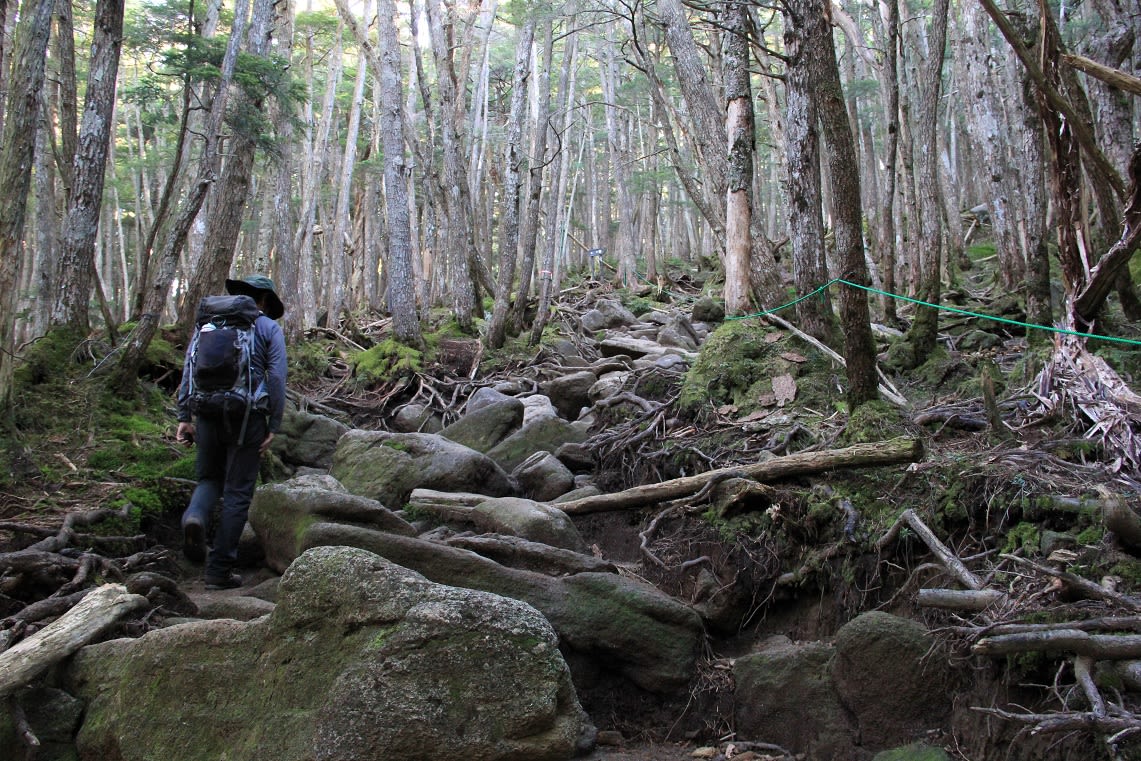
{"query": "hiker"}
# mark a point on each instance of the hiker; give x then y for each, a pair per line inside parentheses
(230, 403)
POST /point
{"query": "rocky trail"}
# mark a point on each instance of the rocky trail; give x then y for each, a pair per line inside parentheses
(653, 538)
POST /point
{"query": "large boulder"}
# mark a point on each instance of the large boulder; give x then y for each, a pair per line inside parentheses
(416, 418)
(388, 466)
(605, 620)
(705, 309)
(361, 660)
(280, 512)
(527, 519)
(545, 433)
(487, 423)
(543, 477)
(607, 313)
(784, 694)
(570, 393)
(886, 678)
(307, 439)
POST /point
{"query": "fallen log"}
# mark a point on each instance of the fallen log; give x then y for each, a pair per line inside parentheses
(1104, 624)
(97, 612)
(893, 452)
(1098, 646)
(973, 600)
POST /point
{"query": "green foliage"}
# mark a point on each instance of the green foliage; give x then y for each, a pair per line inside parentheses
(1091, 535)
(731, 529)
(1129, 571)
(386, 361)
(872, 422)
(1026, 536)
(979, 251)
(638, 305)
(309, 361)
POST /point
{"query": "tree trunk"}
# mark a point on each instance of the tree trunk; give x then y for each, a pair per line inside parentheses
(512, 171)
(560, 165)
(890, 84)
(530, 221)
(924, 328)
(16, 152)
(81, 224)
(343, 247)
(459, 249)
(707, 116)
(847, 220)
(45, 263)
(155, 297)
(7, 16)
(984, 127)
(67, 88)
(742, 142)
(401, 287)
(277, 242)
(618, 145)
(313, 171)
(806, 225)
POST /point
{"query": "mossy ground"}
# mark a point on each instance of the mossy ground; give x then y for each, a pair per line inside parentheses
(73, 442)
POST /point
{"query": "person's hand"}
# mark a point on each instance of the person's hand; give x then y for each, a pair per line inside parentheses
(185, 434)
(265, 444)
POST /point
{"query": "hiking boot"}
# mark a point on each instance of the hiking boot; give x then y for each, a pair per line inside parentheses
(229, 581)
(194, 540)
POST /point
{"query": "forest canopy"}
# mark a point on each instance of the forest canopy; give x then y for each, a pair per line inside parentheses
(467, 157)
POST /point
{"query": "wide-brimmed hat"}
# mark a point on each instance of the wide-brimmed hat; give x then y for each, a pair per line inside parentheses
(255, 286)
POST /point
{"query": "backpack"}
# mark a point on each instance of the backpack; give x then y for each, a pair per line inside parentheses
(221, 384)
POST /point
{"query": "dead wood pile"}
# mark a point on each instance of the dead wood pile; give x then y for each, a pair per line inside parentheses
(994, 611)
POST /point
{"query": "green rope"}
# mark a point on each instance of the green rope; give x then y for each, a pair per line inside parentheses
(941, 307)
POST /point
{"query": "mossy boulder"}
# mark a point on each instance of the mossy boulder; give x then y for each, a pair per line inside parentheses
(739, 360)
(528, 519)
(308, 439)
(874, 421)
(280, 513)
(609, 623)
(887, 679)
(361, 659)
(570, 392)
(913, 752)
(706, 309)
(488, 424)
(388, 466)
(542, 433)
(784, 693)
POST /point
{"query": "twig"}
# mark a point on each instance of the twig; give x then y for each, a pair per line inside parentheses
(1085, 585)
(1083, 666)
(23, 728)
(948, 558)
(1049, 723)
(648, 533)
